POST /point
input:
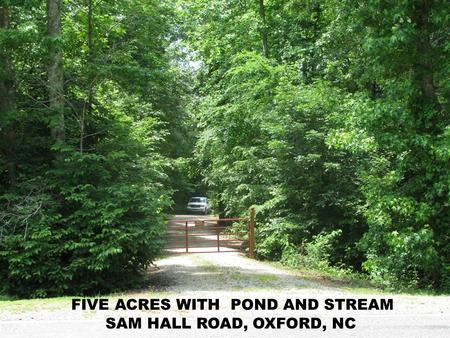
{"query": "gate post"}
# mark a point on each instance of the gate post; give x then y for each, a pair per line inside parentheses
(218, 236)
(251, 233)
(186, 237)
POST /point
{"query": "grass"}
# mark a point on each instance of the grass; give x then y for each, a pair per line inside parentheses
(56, 303)
(349, 281)
(236, 276)
(23, 305)
(346, 281)
(5, 298)
(266, 278)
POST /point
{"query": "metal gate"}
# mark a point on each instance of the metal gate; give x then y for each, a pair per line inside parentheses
(190, 234)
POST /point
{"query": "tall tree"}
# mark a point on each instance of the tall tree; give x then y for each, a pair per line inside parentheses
(354, 90)
(55, 70)
(423, 68)
(7, 100)
(264, 33)
(87, 109)
(76, 225)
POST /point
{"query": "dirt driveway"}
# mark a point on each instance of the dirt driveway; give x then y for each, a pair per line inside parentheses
(227, 276)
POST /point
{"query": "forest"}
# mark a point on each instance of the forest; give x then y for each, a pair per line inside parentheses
(329, 116)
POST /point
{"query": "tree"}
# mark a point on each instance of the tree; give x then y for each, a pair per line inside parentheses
(7, 100)
(262, 14)
(342, 131)
(55, 70)
(94, 221)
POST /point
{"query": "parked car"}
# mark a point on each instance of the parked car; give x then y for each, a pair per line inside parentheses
(198, 204)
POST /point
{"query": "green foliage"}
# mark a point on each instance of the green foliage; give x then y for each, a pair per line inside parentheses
(344, 129)
(87, 215)
(275, 240)
(265, 143)
(319, 250)
(92, 223)
(411, 260)
(344, 132)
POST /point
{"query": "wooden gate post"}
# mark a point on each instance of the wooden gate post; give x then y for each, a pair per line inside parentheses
(218, 236)
(251, 233)
(186, 237)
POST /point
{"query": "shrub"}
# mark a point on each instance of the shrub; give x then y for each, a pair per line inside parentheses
(276, 238)
(93, 223)
(318, 251)
(409, 260)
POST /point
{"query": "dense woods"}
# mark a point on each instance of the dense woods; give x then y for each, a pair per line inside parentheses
(91, 97)
(331, 117)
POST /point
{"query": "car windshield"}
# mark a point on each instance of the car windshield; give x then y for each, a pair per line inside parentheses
(197, 200)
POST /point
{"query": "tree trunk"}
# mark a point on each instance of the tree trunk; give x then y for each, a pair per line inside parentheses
(262, 14)
(55, 71)
(90, 52)
(87, 111)
(422, 69)
(7, 102)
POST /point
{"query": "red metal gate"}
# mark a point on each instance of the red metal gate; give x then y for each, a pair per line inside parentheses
(194, 235)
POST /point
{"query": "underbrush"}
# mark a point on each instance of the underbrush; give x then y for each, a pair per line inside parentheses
(317, 258)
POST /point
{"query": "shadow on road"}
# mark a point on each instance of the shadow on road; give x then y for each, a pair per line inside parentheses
(221, 272)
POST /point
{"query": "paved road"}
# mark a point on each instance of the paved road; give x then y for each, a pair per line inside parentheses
(230, 276)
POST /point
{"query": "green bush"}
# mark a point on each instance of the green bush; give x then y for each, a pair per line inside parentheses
(90, 225)
(287, 241)
(409, 260)
(319, 250)
(277, 238)
(314, 254)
